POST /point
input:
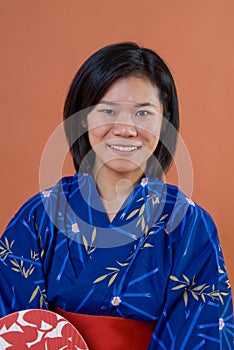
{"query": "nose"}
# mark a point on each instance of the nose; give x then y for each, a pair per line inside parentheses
(125, 126)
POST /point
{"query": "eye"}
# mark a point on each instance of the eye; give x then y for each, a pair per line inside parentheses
(143, 113)
(108, 111)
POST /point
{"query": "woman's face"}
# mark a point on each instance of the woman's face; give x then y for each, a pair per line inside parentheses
(124, 127)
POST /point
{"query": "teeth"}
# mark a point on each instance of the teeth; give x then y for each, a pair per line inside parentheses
(124, 148)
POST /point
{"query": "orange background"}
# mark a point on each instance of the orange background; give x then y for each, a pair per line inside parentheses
(44, 42)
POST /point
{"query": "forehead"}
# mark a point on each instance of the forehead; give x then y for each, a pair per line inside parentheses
(136, 90)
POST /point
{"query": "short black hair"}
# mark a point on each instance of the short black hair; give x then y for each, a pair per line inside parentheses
(93, 79)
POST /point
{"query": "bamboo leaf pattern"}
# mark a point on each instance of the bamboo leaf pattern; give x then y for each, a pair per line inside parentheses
(7, 244)
(42, 299)
(138, 221)
(90, 249)
(186, 279)
(31, 271)
(185, 297)
(114, 271)
(36, 290)
(173, 278)
(19, 267)
(144, 226)
(122, 264)
(221, 299)
(113, 274)
(6, 249)
(85, 243)
(202, 286)
(194, 295)
(163, 217)
(148, 245)
(14, 262)
(221, 271)
(153, 197)
(15, 269)
(112, 279)
(93, 235)
(34, 255)
(197, 292)
(146, 229)
(142, 209)
(140, 199)
(179, 287)
(101, 278)
(155, 200)
(134, 212)
(158, 225)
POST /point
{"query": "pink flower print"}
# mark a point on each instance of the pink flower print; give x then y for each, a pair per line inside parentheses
(144, 181)
(75, 228)
(221, 324)
(190, 201)
(46, 194)
(116, 301)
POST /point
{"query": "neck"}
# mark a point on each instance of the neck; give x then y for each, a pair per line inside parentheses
(112, 185)
(114, 188)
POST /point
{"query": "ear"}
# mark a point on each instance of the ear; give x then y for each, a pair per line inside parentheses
(84, 123)
(164, 125)
(163, 128)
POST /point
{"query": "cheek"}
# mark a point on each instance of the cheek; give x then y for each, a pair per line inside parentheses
(97, 133)
(150, 135)
(151, 129)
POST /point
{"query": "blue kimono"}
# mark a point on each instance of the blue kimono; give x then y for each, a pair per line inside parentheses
(158, 260)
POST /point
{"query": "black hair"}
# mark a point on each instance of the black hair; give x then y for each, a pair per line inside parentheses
(93, 79)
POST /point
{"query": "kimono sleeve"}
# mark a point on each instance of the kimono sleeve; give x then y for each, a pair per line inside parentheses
(22, 283)
(198, 305)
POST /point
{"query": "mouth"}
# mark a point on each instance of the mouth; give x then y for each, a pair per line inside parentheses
(124, 148)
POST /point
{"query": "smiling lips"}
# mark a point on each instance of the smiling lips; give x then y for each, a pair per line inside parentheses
(124, 148)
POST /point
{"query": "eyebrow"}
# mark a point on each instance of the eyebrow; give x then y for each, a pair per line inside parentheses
(143, 104)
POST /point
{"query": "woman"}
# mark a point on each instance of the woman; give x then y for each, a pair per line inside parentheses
(114, 240)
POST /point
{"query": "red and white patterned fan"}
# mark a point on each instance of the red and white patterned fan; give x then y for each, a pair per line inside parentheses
(39, 330)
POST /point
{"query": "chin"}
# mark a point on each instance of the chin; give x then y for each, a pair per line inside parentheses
(124, 166)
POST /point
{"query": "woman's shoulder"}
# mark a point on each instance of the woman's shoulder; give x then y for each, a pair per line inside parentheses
(182, 199)
(183, 209)
(35, 206)
(188, 216)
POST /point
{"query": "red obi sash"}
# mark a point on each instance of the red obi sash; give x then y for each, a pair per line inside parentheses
(115, 333)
